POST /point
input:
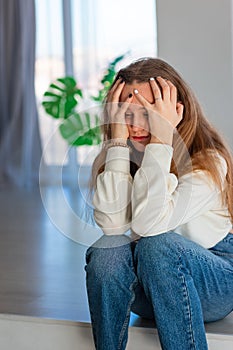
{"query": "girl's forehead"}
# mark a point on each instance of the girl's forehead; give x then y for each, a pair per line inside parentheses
(143, 88)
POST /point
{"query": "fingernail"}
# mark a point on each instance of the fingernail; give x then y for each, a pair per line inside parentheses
(130, 95)
(152, 78)
(135, 91)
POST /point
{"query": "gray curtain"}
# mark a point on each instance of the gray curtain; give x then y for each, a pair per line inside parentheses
(20, 147)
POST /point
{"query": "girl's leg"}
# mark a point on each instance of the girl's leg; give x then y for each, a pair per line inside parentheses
(110, 286)
(141, 305)
(187, 285)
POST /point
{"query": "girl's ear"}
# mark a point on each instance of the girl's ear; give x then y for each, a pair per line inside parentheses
(180, 109)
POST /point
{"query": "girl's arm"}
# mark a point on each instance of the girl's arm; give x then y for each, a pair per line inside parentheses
(112, 199)
(160, 203)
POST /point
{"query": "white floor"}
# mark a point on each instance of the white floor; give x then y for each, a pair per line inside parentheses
(41, 269)
(43, 302)
(30, 333)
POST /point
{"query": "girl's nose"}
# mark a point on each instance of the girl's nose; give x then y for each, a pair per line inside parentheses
(138, 123)
(136, 127)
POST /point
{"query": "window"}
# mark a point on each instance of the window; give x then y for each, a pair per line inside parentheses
(101, 30)
(104, 29)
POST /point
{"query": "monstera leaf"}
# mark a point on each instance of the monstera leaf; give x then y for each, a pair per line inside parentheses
(80, 129)
(61, 101)
(108, 78)
(61, 97)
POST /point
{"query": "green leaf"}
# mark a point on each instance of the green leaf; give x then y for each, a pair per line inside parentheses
(108, 78)
(81, 129)
(61, 97)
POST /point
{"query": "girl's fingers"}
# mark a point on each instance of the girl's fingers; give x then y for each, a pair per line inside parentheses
(125, 104)
(119, 108)
(173, 92)
(113, 88)
(116, 91)
(165, 89)
(156, 90)
(141, 99)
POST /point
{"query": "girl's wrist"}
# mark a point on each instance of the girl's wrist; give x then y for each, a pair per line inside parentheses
(116, 141)
(168, 139)
(119, 131)
(120, 139)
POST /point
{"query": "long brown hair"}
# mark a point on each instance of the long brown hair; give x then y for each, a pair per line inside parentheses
(196, 136)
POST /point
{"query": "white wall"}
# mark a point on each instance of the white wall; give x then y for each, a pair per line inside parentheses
(195, 36)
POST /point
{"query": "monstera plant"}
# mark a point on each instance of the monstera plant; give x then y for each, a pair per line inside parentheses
(61, 102)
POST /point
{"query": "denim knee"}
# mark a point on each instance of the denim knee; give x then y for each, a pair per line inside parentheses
(108, 263)
(158, 252)
(162, 244)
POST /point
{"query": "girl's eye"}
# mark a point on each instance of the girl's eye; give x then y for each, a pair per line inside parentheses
(128, 115)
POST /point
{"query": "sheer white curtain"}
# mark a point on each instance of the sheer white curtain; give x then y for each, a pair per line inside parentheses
(105, 29)
(20, 149)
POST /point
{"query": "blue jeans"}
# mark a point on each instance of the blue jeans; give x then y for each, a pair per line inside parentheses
(167, 278)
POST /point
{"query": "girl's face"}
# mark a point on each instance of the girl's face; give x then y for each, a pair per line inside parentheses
(136, 116)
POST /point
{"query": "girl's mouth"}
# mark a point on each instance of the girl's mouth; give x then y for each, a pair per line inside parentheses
(140, 138)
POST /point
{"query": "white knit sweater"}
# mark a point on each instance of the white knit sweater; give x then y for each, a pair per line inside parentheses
(155, 201)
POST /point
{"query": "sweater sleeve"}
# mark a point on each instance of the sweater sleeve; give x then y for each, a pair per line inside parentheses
(112, 198)
(159, 202)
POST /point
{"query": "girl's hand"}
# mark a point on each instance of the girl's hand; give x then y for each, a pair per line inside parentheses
(116, 111)
(165, 112)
